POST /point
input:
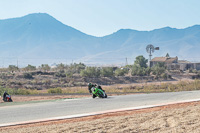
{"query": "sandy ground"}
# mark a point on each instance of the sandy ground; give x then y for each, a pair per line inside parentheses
(181, 118)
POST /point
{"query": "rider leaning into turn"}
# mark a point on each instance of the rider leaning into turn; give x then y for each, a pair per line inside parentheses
(90, 85)
(4, 95)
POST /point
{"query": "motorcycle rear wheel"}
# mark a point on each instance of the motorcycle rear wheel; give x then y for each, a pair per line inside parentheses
(106, 96)
(10, 100)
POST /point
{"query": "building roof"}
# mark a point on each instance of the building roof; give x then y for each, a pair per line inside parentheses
(160, 59)
(183, 61)
(164, 59)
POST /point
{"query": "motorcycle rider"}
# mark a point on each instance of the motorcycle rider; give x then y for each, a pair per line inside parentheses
(90, 85)
(4, 95)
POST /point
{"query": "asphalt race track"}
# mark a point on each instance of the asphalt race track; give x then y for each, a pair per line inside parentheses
(44, 110)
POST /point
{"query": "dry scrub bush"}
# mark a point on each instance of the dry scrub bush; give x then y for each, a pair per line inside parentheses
(55, 90)
(13, 91)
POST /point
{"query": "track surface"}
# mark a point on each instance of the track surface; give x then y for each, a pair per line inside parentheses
(29, 112)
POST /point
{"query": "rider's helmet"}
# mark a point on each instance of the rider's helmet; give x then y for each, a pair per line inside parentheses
(89, 85)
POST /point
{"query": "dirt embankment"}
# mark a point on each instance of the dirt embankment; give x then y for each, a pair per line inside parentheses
(46, 80)
(181, 118)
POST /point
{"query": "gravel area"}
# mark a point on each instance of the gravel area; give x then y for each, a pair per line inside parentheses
(181, 118)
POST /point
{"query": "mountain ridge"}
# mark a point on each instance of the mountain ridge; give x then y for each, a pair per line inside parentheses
(39, 35)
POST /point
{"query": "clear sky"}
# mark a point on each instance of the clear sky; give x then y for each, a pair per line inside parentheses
(103, 17)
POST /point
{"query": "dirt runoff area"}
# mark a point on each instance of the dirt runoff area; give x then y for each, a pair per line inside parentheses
(184, 117)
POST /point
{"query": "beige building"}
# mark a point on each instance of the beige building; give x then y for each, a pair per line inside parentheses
(186, 65)
(173, 63)
(167, 60)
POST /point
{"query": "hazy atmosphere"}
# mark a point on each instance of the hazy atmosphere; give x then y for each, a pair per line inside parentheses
(109, 32)
(103, 17)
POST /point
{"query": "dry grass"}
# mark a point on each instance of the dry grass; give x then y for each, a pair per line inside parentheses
(123, 88)
(156, 87)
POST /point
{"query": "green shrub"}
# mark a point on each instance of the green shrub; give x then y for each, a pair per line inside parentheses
(30, 68)
(13, 91)
(121, 71)
(69, 74)
(8, 90)
(13, 68)
(23, 92)
(141, 61)
(164, 75)
(107, 72)
(60, 74)
(159, 69)
(138, 71)
(90, 72)
(27, 76)
(45, 67)
(55, 90)
(74, 68)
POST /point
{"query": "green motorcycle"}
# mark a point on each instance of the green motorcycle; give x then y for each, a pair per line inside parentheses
(98, 92)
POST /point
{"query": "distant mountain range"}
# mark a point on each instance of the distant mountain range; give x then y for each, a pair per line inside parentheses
(39, 38)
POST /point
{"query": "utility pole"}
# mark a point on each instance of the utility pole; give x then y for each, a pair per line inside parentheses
(17, 63)
(126, 61)
(3, 63)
